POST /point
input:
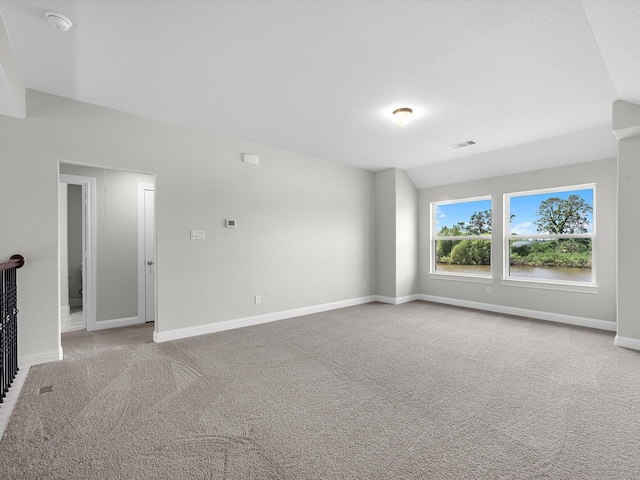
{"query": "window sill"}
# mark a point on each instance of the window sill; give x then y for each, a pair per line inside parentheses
(461, 277)
(565, 287)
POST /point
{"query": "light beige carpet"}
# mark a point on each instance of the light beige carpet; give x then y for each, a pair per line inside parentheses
(417, 391)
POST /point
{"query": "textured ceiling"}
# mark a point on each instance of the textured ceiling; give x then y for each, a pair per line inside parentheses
(322, 77)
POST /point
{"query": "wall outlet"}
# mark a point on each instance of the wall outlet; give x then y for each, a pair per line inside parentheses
(197, 234)
(487, 290)
(257, 299)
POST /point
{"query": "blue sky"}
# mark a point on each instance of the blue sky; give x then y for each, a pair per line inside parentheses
(452, 213)
(524, 208)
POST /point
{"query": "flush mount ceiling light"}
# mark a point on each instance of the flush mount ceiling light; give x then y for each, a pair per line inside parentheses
(402, 116)
(58, 20)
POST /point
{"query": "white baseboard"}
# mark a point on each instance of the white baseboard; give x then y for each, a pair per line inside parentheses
(627, 342)
(179, 333)
(523, 312)
(116, 322)
(65, 311)
(26, 361)
(396, 300)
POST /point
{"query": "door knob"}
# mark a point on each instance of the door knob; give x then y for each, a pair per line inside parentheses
(150, 262)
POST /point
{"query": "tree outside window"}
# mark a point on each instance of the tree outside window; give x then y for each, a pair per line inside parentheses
(461, 242)
(550, 235)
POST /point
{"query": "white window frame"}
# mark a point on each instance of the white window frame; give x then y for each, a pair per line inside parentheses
(466, 277)
(546, 284)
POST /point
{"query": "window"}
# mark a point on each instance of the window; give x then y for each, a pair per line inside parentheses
(461, 237)
(550, 235)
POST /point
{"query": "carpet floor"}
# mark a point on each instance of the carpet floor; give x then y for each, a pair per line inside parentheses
(416, 391)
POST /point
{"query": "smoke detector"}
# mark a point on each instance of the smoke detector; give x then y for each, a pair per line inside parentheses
(59, 21)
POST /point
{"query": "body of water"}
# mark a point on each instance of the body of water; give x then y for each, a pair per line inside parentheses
(477, 269)
(584, 275)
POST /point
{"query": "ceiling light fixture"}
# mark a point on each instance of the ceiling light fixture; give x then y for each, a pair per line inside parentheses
(402, 116)
(59, 21)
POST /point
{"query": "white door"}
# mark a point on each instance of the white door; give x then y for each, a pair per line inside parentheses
(150, 256)
(88, 246)
(86, 234)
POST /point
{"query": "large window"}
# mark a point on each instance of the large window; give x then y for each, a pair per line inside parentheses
(461, 237)
(550, 235)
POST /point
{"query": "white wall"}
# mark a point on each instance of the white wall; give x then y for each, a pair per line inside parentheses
(305, 233)
(12, 89)
(385, 207)
(406, 235)
(600, 306)
(396, 234)
(628, 234)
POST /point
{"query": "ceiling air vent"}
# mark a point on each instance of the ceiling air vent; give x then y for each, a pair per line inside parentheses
(468, 143)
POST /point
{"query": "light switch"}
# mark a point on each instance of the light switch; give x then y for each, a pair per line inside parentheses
(197, 234)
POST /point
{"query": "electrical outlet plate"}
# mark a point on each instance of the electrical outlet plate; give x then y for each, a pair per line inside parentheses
(197, 234)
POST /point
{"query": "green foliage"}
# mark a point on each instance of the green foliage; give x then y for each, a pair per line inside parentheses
(466, 252)
(479, 223)
(454, 231)
(520, 250)
(471, 252)
(556, 215)
(571, 252)
(444, 247)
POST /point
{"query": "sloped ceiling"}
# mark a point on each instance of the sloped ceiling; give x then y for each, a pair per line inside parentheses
(531, 81)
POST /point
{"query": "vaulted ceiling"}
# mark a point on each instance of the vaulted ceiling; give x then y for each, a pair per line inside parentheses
(531, 82)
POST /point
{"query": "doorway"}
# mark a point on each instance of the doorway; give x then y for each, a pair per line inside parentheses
(117, 228)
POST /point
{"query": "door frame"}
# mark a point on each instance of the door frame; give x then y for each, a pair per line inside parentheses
(89, 244)
(142, 307)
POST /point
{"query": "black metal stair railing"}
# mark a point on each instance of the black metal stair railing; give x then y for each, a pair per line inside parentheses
(9, 323)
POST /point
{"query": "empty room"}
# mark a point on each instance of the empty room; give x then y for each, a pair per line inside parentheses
(316, 239)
